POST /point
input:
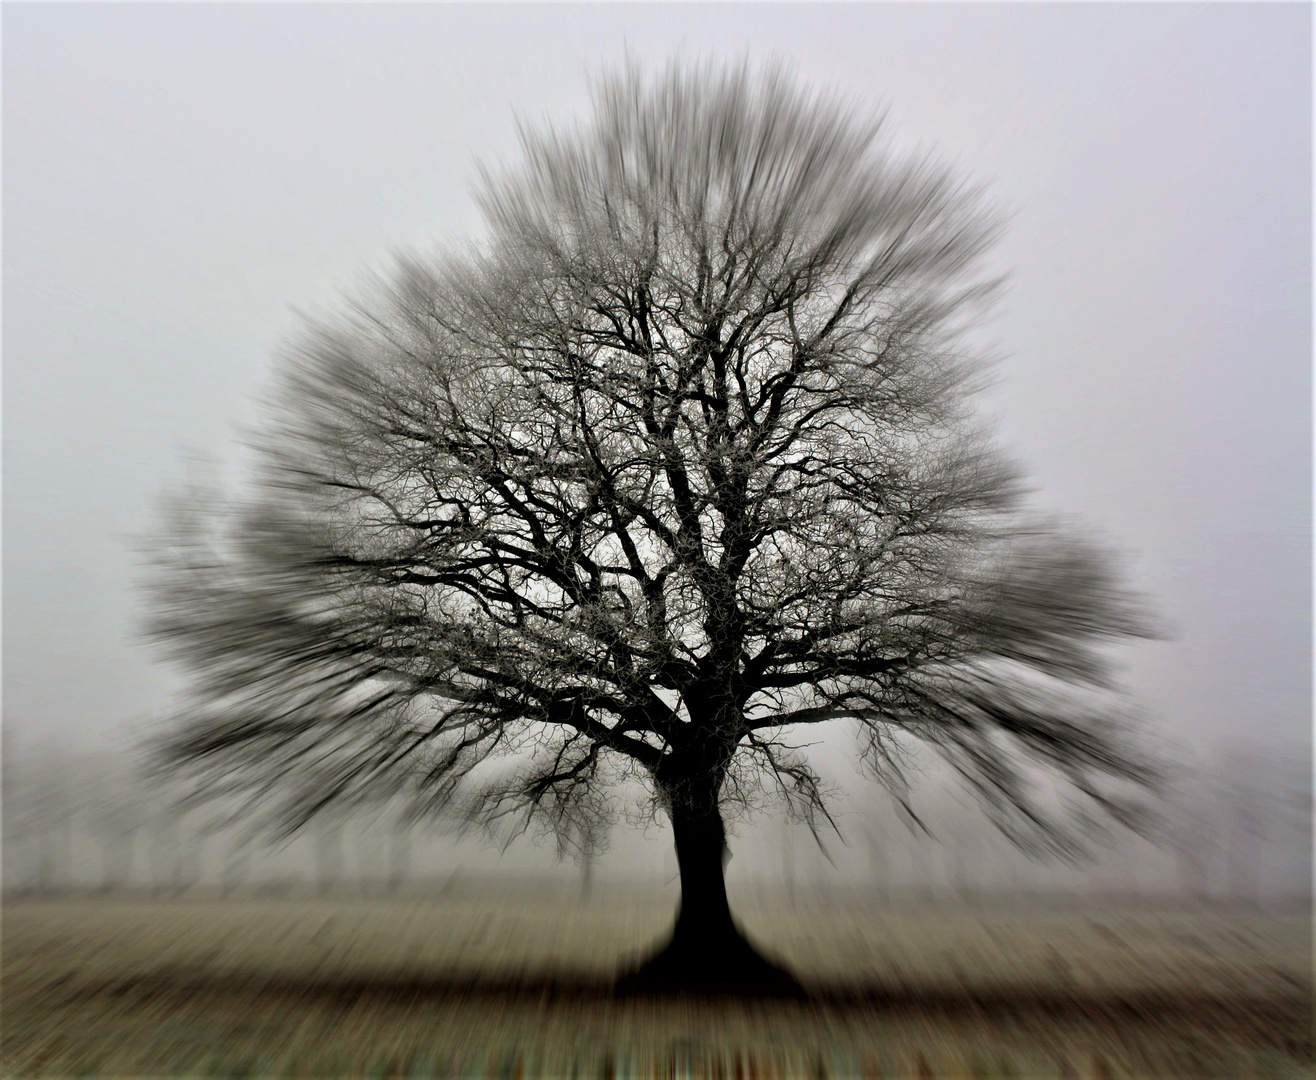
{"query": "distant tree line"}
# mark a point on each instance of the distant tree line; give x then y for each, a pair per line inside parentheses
(1238, 830)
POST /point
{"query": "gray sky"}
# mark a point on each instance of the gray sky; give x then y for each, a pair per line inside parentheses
(178, 179)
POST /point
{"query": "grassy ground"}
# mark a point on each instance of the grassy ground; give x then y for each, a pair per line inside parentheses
(518, 987)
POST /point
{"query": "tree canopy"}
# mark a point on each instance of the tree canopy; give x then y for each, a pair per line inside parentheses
(679, 457)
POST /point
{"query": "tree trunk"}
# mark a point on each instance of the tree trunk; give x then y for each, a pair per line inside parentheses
(328, 859)
(707, 952)
(586, 877)
(399, 859)
(703, 919)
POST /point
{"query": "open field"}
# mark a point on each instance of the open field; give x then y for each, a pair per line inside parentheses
(518, 986)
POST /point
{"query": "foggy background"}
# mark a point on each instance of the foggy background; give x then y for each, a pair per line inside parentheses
(178, 179)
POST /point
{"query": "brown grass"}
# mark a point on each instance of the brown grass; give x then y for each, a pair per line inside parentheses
(487, 986)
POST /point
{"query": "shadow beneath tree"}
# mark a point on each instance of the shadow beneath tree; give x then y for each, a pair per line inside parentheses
(1278, 1016)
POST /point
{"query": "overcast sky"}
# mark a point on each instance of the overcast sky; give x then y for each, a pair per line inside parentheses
(178, 179)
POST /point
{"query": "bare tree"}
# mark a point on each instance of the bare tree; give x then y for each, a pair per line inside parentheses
(399, 859)
(678, 460)
(40, 808)
(329, 859)
(117, 810)
(164, 855)
(235, 874)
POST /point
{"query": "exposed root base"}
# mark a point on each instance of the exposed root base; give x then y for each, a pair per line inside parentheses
(729, 966)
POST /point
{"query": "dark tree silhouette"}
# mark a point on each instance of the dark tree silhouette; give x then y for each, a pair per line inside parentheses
(679, 459)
